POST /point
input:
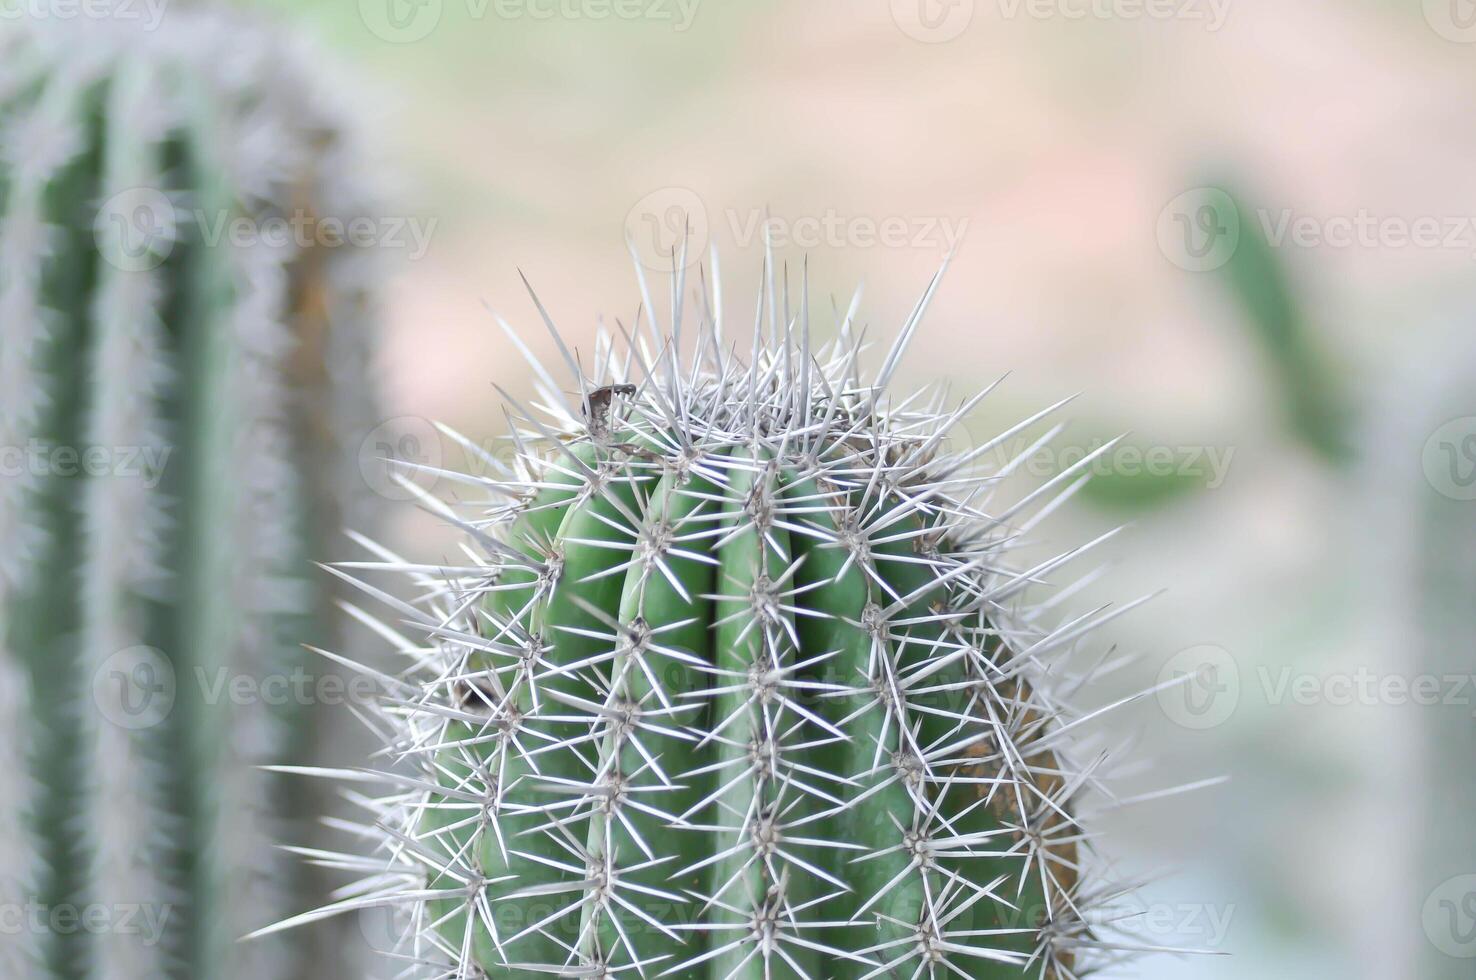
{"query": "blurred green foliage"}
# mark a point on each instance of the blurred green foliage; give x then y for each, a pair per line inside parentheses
(1314, 405)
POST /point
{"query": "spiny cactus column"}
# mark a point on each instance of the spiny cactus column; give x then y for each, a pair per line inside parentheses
(46, 259)
(20, 953)
(737, 678)
(176, 402)
(129, 375)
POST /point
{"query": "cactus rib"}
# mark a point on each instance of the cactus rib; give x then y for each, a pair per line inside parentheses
(124, 570)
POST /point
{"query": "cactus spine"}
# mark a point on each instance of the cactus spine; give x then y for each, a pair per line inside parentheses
(737, 677)
(209, 378)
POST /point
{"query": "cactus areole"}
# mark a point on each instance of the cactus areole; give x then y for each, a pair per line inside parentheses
(736, 677)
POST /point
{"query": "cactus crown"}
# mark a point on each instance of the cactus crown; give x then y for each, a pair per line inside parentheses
(737, 677)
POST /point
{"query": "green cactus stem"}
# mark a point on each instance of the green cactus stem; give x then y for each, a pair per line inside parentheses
(737, 677)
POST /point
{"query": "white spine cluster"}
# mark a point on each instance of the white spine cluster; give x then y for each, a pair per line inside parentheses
(41, 135)
(130, 833)
(593, 814)
(286, 156)
(20, 953)
(40, 139)
(263, 528)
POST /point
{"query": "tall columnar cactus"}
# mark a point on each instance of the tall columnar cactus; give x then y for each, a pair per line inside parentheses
(736, 677)
(1419, 583)
(176, 389)
(20, 953)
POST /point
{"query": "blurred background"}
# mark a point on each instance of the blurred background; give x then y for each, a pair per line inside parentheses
(1243, 230)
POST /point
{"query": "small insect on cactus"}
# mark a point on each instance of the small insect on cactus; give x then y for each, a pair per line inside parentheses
(737, 678)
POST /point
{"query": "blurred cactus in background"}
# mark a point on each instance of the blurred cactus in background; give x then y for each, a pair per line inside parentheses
(19, 954)
(1404, 464)
(181, 400)
(1420, 577)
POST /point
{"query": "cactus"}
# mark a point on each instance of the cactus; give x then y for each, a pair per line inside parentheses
(735, 677)
(1422, 573)
(20, 954)
(169, 402)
